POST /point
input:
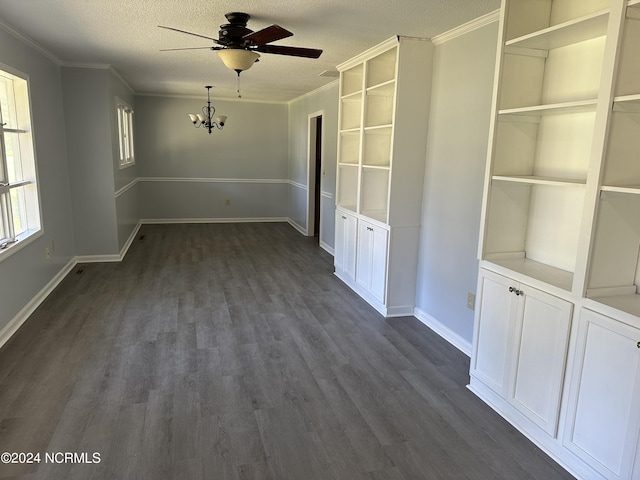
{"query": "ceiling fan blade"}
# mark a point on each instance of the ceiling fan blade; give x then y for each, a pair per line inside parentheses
(267, 35)
(190, 48)
(292, 51)
(190, 33)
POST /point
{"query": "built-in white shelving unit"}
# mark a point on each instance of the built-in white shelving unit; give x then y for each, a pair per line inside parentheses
(384, 105)
(559, 247)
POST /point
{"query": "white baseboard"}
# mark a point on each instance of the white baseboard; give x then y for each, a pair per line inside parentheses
(445, 332)
(113, 257)
(98, 258)
(327, 248)
(298, 227)
(213, 220)
(16, 322)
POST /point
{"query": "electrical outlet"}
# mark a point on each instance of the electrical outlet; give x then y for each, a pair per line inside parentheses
(471, 301)
(227, 202)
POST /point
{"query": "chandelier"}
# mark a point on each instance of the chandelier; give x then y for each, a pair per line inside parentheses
(204, 119)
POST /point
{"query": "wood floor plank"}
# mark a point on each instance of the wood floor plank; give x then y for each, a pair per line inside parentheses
(231, 351)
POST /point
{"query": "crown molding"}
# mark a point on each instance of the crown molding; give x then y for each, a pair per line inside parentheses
(117, 74)
(30, 42)
(466, 27)
(217, 99)
(57, 60)
(326, 86)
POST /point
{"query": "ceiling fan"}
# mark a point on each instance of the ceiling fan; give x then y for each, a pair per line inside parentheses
(238, 46)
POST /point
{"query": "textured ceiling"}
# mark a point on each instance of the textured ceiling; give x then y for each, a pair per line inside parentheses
(125, 35)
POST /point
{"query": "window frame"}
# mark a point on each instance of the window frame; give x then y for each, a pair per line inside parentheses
(20, 100)
(126, 152)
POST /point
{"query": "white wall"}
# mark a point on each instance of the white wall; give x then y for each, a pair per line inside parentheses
(188, 174)
(456, 153)
(324, 100)
(26, 272)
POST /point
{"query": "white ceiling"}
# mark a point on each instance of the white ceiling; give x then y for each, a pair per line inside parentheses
(125, 35)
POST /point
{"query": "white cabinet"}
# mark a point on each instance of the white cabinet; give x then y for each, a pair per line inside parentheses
(383, 121)
(345, 245)
(371, 270)
(603, 421)
(520, 346)
(561, 213)
(496, 313)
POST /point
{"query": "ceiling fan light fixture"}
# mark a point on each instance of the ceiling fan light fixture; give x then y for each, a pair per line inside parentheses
(238, 59)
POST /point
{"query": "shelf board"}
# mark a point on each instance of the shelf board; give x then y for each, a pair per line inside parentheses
(352, 96)
(377, 215)
(631, 189)
(385, 89)
(551, 109)
(563, 34)
(536, 180)
(540, 271)
(351, 208)
(625, 303)
(372, 128)
(348, 164)
(380, 129)
(354, 132)
(376, 167)
(627, 103)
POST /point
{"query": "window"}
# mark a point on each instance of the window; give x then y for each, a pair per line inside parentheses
(125, 134)
(19, 205)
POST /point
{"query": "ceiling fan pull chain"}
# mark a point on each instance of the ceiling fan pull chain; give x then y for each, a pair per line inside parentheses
(238, 85)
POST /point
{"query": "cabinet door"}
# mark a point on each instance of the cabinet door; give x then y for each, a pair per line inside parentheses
(365, 254)
(371, 272)
(539, 356)
(338, 254)
(603, 418)
(379, 263)
(345, 247)
(351, 243)
(493, 330)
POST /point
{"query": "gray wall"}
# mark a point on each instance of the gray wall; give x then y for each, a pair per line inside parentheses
(102, 221)
(189, 174)
(456, 154)
(90, 148)
(127, 210)
(326, 101)
(26, 272)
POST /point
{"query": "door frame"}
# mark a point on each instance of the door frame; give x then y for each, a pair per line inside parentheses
(312, 138)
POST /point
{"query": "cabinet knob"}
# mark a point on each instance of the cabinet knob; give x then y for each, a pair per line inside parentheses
(344, 217)
(370, 229)
(638, 344)
(519, 292)
(511, 289)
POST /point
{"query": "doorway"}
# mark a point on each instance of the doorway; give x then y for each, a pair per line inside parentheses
(315, 176)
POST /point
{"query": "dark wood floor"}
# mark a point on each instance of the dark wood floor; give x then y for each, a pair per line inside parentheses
(232, 352)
